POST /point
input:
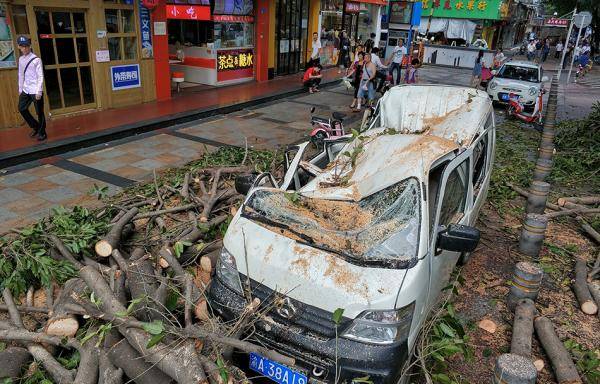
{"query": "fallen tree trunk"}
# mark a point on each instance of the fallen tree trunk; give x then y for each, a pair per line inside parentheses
(11, 361)
(595, 291)
(112, 239)
(109, 373)
(563, 366)
(522, 331)
(585, 200)
(581, 289)
(62, 322)
(568, 212)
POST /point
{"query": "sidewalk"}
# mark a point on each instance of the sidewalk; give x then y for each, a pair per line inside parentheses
(97, 127)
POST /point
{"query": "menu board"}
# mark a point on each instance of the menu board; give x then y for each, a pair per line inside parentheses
(233, 7)
(7, 49)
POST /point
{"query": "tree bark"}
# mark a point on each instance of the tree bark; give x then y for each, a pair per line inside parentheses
(563, 366)
(62, 322)
(12, 359)
(581, 289)
(122, 355)
(523, 328)
(585, 200)
(109, 373)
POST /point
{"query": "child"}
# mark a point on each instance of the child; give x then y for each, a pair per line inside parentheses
(412, 73)
(312, 78)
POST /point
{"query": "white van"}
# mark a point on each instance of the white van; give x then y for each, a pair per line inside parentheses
(373, 225)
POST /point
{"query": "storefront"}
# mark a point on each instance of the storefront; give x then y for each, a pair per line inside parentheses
(211, 46)
(291, 35)
(403, 20)
(97, 54)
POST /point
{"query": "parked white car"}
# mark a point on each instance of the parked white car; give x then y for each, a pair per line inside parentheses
(520, 78)
(372, 225)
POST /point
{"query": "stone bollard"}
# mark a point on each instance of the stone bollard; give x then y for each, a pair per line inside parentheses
(538, 195)
(542, 169)
(546, 153)
(532, 234)
(526, 281)
(514, 369)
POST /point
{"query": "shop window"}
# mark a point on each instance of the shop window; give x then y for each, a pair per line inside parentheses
(120, 29)
(234, 35)
(65, 50)
(190, 33)
(62, 22)
(19, 16)
(400, 12)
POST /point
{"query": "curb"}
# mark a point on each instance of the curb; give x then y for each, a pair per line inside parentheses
(25, 155)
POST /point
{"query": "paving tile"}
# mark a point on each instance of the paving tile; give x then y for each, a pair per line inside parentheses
(147, 152)
(65, 178)
(7, 214)
(171, 160)
(37, 185)
(44, 170)
(8, 225)
(105, 165)
(58, 194)
(15, 179)
(109, 153)
(130, 172)
(24, 206)
(148, 164)
(8, 195)
(87, 158)
(127, 158)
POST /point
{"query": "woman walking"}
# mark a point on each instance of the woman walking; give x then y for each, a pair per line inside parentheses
(477, 69)
(356, 72)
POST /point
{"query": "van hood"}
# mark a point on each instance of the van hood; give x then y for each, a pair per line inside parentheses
(307, 274)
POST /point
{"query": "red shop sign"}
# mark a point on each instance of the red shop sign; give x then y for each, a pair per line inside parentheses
(352, 7)
(45, 36)
(556, 22)
(150, 4)
(188, 12)
(233, 18)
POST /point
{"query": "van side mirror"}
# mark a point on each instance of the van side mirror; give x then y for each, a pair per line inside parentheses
(458, 238)
(545, 79)
(494, 72)
(243, 183)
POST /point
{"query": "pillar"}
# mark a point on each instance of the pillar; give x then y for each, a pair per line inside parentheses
(261, 53)
(162, 72)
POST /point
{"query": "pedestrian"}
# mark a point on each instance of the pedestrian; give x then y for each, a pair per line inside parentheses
(355, 73)
(545, 50)
(316, 50)
(381, 73)
(367, 87)
(412, 72)
(396, 60)
(370, 43)
(538, 50)
(498, 59)
(559, 49)
(359, 48)
(477, 69)
(344, 59)
(531, 50)
(312, 78)
(31, 81)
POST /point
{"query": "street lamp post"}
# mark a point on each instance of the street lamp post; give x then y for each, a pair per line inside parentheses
(564, 52)
(576, 45)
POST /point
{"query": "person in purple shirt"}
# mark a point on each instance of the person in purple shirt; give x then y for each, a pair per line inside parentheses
(31, 85)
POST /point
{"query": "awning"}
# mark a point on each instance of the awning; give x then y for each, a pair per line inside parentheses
(452, 28)
(376, 2)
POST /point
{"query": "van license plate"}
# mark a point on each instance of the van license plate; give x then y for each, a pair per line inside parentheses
(275, 371)
(504, 96)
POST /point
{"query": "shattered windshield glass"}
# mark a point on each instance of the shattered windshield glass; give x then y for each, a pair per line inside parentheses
(382, 227)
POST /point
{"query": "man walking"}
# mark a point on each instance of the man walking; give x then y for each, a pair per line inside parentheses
(31, 81)
(397, 57)
(316, 50)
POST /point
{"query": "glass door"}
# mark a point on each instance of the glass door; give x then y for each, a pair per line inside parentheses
(64, 49)
(291, 35)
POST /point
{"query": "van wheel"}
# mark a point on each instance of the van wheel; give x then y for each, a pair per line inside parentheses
(464, 258)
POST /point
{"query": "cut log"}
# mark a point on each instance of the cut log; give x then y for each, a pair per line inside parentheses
(122, 355)
(588, 229)
(61, 321)
(12, 360)
(564, 369)
(112, 239)
(582, 292)
(522, 331)
(109, 373)
(206, 264)
(595, 291)
(585, 200)
(201, 310)
(142, 284)
(576, 211)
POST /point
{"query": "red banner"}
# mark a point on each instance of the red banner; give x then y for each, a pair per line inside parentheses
(188, 12)
(556, 22)
(233, 18)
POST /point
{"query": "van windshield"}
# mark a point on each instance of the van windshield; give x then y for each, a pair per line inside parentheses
(382, 228)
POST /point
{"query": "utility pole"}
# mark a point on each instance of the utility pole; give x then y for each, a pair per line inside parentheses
(564, 52)
(576, 45)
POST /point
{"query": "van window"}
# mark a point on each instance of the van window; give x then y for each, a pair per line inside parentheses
(381, 228)
(480, 160)
(455, 195)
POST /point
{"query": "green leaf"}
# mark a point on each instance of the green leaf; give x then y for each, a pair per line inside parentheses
(337, 316)
(154, 328)
(441, 378)
(222, 370)
(447, 330)
(155, 340)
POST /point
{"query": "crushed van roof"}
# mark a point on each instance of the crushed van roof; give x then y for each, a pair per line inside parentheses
(419, 124)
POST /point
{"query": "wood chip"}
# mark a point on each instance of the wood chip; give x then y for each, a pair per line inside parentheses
(487, 325)
(539, 365)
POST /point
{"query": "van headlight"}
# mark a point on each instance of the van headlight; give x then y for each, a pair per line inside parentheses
(533, 91)
(381, 327)
(227, 271)
(493, 85)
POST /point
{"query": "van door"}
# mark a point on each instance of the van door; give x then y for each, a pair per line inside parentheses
(451, 207)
